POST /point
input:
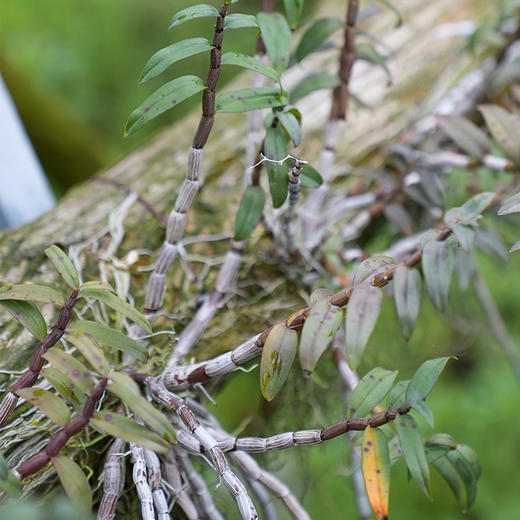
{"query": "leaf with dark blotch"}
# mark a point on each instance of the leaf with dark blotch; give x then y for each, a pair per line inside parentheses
(312, 83)
(275, 149)
(90, 351)
(367, 269)
(249, 212)
(31, 292)
(316, 34)
(166, 97)
(74, 482)
(119, 426)
(277, 357)
(48, 403)
(66, 388)
(376, 470)
(291, 126)
(28, 315)
(397, 396)
(510, 205)
(248, 62)
(310, 177)
(240, 21)
(407, 296)
(247, 99)
(394, 447)
(362, 313)
(413, 451)
(104, 335)
(276, 36)
(370, 391)
(438, 263)
(162, 59)
(63, 265)
(195, 11)
(468, 473)
(465, 134)
(118, 305)
(505, 129)
(448, 473)
(367, 52)
(76, 371)
(293, 10)
(424, 378)
(127, 390)
(319, 329)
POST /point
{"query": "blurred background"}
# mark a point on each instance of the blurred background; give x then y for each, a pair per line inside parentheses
(72, 67)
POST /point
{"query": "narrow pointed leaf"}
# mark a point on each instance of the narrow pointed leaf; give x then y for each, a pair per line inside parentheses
(407, 296)
(31, 292)
(277, 357)
(394, 9)
(119, 426)
(467, 475)
(368, 268)
(424, 411)
(90, 351)
(293, 10)
(275, 149)
(110, 337)
(74, 482)
(247, 99)
(311, 83)
(438, 445)
(162, 59)
(438, 263)
(472, 208)
(515, 247)
(316, 34)
(397, 396)
(103, 286)
(370, 391)
(127, 390)
(448, 473)
(362, 313)
(276, 36)
(318, 331)
(11, 485)
(510, 205)
(76, 371)
(465, 134)
(249, 212)
(239, 21)
(367, 52)
(118, 305)
(505, 128)
(63, 265)
(413, 451)
(248, 62)
(195, 11)
(399, 217)
(424, 378)
(310, 177)
(66, 388)
(376, 470)
(166, 97)
(48, 403)
(291, 126)
(28, 315)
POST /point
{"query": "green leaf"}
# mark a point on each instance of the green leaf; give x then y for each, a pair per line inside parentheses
(10, 484)
(472, 208)
(67, 389)
(4, 470)
(424, 378)
(293, 10)
(465, 235)
(48, 403)
(118, 305)
(291, 126)
(119, 426)
(90, 351)
(465, 134)
(28, 315)
(370, 391)
(166, 97)
(510, 205)
(275, 149)
(362, 313)
(367, 52)
(74, 482)
(397, 396)
(319, 329)
(127, 390)
(96, 284)
(505, 129)
(63, 265)
(413, 451)
(276, 36)
(247, 99)
(277, 357)
(249, 212)
(76, 371)
(372, 266)
(468, 473)
(437, 446)
(239, 21)
(248, 62)
(407, 295)
(312, 83)
(31, 292)
(309, 177)
(448, 473)
(162, 59)
(110, 337)
(437, 264)
(424, 411)
(316, 34)
(392, 8)
(195, 11)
